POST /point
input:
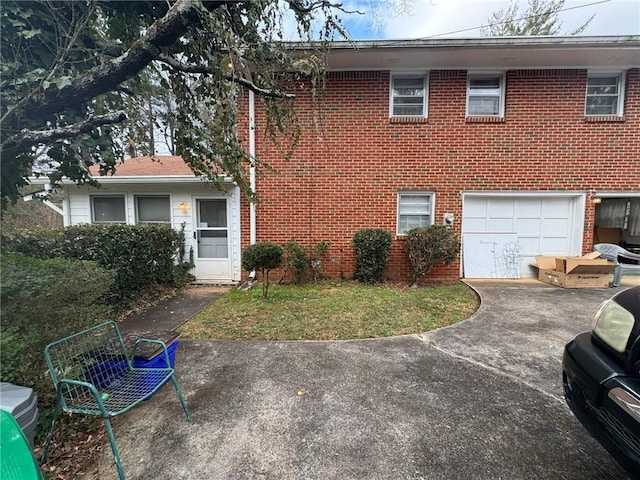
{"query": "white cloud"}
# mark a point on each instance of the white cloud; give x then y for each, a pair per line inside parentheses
(463, 18)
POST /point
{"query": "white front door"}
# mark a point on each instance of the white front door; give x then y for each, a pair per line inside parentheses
(211, 232)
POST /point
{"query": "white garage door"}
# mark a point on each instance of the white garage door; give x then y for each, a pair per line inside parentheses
(502, 234)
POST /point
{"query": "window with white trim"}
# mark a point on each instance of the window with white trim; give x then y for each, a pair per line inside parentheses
(415, 209)
(604, 95)
(108, 209)
(485, 95)
(153, 209)
(408, 96)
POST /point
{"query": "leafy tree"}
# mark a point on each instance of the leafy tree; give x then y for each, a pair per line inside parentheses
(540, 18)
(74, 76)
(262, 256)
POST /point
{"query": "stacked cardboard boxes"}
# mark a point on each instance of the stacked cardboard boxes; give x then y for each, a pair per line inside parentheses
(588, 271)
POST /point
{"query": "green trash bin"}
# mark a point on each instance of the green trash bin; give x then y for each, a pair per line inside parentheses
(16, 459)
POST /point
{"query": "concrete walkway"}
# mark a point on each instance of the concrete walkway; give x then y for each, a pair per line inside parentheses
(478, 400)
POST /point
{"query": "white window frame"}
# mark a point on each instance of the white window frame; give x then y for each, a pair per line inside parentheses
(620, 77)
(151, 195)
(415, 193)
(425, 93)
(485, 92)
(114, 195)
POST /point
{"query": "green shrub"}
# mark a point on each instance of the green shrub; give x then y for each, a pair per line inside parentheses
(316, 260)
(371, 247)
(139, 255)
(430, 246)
(42, 301)
(295, 259)
(263, 257)
(40, 242)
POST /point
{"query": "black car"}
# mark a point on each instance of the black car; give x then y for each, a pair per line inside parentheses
(601, 377)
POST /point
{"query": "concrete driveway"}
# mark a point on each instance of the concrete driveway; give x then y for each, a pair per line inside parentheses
(478, 400)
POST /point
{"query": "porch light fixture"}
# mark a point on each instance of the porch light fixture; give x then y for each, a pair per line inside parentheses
(184, 206)
(595, 199)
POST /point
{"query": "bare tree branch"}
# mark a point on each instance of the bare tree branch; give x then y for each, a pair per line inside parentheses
(307, 6)
(29, 138)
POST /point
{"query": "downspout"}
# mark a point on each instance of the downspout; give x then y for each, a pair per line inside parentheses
(66, 208)
(252, 172)
(252, 168)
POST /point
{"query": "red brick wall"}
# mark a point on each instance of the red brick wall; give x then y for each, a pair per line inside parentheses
(346, 171)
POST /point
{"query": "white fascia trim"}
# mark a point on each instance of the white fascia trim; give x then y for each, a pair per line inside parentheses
(507, 68)
(135, 179)
(154, 179)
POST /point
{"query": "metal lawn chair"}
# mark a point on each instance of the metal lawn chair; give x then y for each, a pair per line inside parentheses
(93, 375)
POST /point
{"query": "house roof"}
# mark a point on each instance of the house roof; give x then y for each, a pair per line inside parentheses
(598, 53)
(158, 165)
(156, 169)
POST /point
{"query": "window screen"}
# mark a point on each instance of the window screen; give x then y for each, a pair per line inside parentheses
(408, 97)
(108, 209)
(484, 95)
(153, 209)
(603, 95)
(414, 210)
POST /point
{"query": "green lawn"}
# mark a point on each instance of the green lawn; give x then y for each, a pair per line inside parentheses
(331, 311)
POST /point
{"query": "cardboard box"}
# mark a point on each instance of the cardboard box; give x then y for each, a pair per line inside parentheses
(608, 235)
(575, 272)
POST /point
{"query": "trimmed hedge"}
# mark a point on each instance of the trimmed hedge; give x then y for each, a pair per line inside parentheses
(139, 255)
(371, 247)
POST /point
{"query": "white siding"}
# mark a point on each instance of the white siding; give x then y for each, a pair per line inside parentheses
(79, 209)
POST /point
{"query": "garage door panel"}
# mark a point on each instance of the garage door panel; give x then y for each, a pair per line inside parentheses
(500, 225)
(555, 227)
(556, 208)
(500, 208)
(554, 246)
(542, 224)
(529, 246)
(476, 224)
(477, 209)
(528, 226)
(528, 208)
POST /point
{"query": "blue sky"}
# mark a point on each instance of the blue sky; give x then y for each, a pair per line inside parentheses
(463, 18)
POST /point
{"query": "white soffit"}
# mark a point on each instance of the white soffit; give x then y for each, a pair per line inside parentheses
(500, 53)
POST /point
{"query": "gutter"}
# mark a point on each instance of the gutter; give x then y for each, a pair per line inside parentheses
(602, 41)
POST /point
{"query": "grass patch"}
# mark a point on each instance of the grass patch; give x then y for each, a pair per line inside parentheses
(331, 311)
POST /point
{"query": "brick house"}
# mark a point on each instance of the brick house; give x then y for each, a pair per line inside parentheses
(511, 141)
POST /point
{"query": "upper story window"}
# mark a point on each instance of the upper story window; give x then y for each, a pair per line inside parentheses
(108, 209)
(415, 209)
(485, 95)
(153, 209)
(604, 95)
(408, 96)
